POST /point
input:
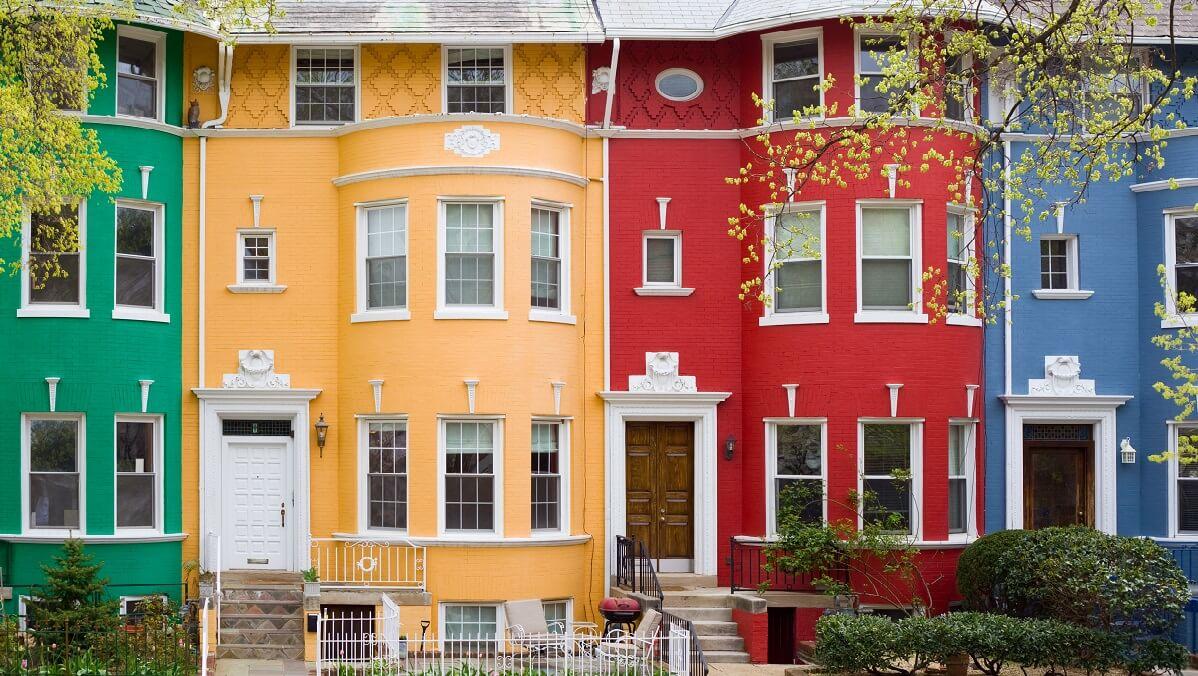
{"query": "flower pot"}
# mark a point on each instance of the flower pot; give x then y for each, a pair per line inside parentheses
(402, 646)
(957, 665)
(311, 589)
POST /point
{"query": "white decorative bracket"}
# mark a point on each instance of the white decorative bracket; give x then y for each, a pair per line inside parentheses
(257, 200)
(145, 394)
(662, 203)
(145, 170)
(1060, 218)
(791, 391)
(791, 174)
(892, 177)
(557, 386)
(894, 392)
(377, 385)
(52, 384)
(471, 140)
(970, 391)
(471, 387)
(661, 375)
(969, 174)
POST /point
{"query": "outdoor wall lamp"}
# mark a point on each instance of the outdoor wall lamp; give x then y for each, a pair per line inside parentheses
(1126, 452)
(729, 447)
(322, 433)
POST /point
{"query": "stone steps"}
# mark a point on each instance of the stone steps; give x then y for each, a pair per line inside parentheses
(701, 614)
(262, 617)
(726, 656)
(710, 611)
(715, 627)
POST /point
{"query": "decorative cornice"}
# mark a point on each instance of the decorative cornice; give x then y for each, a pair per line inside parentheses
(1167, 184)
(401, 121)
(138, 123)
(618, 397)
(451, 169)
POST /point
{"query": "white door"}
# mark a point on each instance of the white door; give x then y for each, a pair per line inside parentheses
(256, 498)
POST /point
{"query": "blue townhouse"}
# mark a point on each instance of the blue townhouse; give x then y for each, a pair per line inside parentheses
(1072, 413)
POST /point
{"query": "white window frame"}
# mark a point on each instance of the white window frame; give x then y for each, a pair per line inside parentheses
(771, 40)
(969, 237)
(563, 473)
(678, 71)
(124, 610)
(80, 469)
(363, 311)
(364, 422)
(159, 511)
(916, 424)
(508, 88)
(968, 108)
(294, 122)
(562, 315)
(859, 33)
(673, 288)
(23, 610)
(771, 316)
(1176, 428)
(1072, 265)
(1173, 320)
(135, 312)
(76, 310)
(498, 472)
(771, 466)
(569, 603)
(969, 460)
(915, 315)
(244, 285)
(158, 38)
(494, 311)
(500, 617)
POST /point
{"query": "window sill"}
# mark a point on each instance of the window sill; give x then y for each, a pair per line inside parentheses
(72, 312)
(257, 288)
(1062, 294)
(456, 540)
(791, 318)
(57, 536)
(962, 320)
(470, 313)
(550, 316)
(141, 315)
(397, 315)
(889, 317)
(662, 291)
(1185, 321)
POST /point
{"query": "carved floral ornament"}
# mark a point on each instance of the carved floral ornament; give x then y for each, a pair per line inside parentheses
(256, 370)
(1062, 378)
(472, 140)
(661, 375)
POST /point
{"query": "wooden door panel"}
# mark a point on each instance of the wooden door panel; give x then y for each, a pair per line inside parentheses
(1058, 487)
(659, 486)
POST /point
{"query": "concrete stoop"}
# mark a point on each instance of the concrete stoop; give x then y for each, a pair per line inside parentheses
(710, 610)
(262, 617)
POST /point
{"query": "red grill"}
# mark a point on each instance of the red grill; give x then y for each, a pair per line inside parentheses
(619, 610)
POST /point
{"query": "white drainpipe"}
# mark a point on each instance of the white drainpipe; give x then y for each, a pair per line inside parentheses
(203, 262)
(611, 85)
(1008, 227)
(224, 79)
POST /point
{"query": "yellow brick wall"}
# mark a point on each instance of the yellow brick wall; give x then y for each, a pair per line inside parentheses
(550, 81)
(261, 87)
(200, 51)
(400, 80)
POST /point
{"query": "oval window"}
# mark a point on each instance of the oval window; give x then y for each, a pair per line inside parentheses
(679, 84)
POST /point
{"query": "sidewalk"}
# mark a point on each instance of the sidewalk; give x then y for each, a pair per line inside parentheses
(230, 667)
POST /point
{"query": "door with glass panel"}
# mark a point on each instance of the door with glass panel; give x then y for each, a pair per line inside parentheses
(1058, 476)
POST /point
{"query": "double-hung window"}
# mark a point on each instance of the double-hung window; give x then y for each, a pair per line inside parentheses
(960, 476)
(384, 265)
(138, 462)
(959, 247)
(958, 88)
(548, 272)
(470, 628)
(139, 261)
(1181, 262)
(795, 464)
(326, 83)
(257, 262)
(795, 267)
(472, 265)
(1059, 269)
(471, 497)
(876, 56)
(889, 260)
(793, 72)
(54, 462)
(54, 279)
(386, 474)
(661, 264)
(477, 79)
(1184, 452)
(139, 73)
(558, 616)
(548, 471)
(888, 475)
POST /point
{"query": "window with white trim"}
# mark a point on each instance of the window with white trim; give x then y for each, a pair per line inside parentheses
(387, 474)
(256, 257)
(53, 448)
(471, 242)
(1181, 238)
(476, 79)
(1184, 452)
(960, 492)
(138, 78)
(463, 623)
(797, 277)
(959, 247)
(662, 259)
(887, 473)
(133, 608)
(793, 73)
(470, 475)
(326, 83)
(1058, 262)
(138, 465)
(386, 257)
(547, 476)
(874, 57)
(55, 274)
(139, 256)
(796, 472)
(558, 616)
(25, 604)
(678, 84)
(958, 88)
(889, 256)
(53, 68)
(549, 272)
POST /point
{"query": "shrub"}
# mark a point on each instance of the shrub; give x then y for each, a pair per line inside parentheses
(990, 640)
(980, 570)
(846, 643)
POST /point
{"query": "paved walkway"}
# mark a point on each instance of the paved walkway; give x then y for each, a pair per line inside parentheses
(229, 667)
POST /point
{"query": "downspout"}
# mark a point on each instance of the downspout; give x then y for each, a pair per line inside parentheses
(224, 78)
(1008, 226)
(611, 87)
(203, 263)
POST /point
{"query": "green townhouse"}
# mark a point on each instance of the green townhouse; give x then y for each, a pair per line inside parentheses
(90, 403)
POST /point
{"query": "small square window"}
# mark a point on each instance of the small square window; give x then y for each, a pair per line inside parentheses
(662, 259)
(1058, 263)
(256, 257)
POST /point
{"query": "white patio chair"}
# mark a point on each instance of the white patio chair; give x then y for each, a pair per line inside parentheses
(528, 629)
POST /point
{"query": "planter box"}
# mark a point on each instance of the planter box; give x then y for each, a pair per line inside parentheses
(311, 589)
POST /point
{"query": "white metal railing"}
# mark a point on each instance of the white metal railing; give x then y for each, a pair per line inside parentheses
(362, 563)
(215, 566)
(375, 644)
(204, 640)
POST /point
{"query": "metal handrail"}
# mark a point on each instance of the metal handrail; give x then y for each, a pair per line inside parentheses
(363, 563)
(204, 640)
(746, 564)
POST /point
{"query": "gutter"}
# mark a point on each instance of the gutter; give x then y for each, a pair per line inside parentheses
(611, 86)
(1008, 226)
(224, 78)
(203, 246)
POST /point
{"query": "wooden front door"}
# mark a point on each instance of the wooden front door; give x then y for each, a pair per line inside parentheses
(660, 487)
(1058, 484)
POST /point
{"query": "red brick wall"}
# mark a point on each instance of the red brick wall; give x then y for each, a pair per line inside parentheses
(754, 628)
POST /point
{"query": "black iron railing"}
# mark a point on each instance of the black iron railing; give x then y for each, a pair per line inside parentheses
(747, 564)
(635, 573)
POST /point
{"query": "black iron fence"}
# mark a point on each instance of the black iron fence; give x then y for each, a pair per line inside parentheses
(747, 561)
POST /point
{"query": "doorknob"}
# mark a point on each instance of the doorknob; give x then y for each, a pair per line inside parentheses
(283, 514)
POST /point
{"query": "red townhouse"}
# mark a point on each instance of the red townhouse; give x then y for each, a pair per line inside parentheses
(845, 378)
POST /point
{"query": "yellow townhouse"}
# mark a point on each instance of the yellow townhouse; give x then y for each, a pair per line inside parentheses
(393, 318)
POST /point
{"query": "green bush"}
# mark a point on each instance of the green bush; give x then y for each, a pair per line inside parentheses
(1077, 575)
(848, 644)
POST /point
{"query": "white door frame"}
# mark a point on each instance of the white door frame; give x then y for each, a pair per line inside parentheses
(289, 490)
(218, 404)
(698, 407)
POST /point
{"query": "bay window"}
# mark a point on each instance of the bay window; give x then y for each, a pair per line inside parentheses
(54, 282)
(793, 72)
(875, 56)
(138, 460)
(795, 472)
(387, 474)
(472, 484)
(54, 464)
(139, 87)
(888, 475)
(471, 260)
(888, 234)
(548, 471)
(139, 261)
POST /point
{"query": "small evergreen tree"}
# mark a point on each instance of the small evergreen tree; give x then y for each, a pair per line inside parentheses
(71, 605)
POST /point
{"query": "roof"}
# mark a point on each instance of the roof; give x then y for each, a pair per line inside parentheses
(436, 20)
